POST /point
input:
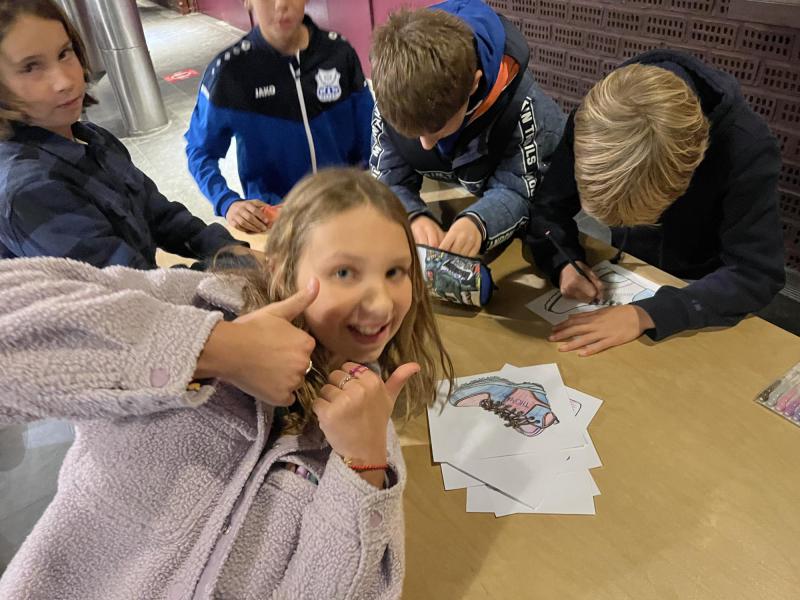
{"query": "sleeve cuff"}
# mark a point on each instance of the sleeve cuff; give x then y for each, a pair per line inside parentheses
(667, 312)
(423, 213)
(222, 205)
(357, 507)
(479, 223)
(163, 364)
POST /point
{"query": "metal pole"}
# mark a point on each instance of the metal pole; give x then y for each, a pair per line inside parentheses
(78, 14)
(119, 34)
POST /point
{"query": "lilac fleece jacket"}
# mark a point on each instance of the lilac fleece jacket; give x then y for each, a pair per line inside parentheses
(169, 493)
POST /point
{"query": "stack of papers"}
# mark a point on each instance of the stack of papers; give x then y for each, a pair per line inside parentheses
(517, 440)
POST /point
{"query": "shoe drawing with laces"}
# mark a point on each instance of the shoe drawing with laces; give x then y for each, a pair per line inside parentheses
(522, 406)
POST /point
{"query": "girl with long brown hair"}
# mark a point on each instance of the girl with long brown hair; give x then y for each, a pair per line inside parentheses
(183, 486)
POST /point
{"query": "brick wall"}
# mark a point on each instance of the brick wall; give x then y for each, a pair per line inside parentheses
(576, 42)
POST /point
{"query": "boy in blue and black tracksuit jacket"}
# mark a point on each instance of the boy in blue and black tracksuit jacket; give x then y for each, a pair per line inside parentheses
(497, 149)
(290, 115)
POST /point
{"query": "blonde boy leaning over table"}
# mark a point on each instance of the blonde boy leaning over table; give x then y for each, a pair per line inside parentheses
(667, 152)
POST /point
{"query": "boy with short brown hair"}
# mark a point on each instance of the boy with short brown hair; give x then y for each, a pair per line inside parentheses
(455, 102)
(408, 76)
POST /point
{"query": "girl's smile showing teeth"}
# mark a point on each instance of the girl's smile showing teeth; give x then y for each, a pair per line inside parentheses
(368, 335)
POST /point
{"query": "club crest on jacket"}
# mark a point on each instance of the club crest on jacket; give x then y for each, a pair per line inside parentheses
(328, 88)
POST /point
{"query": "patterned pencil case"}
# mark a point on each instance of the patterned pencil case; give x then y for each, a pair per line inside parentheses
(454, 277)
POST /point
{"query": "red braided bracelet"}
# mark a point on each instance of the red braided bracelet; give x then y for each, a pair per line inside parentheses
(363, 468)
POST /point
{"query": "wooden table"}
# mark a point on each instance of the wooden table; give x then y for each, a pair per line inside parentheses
(700, 485)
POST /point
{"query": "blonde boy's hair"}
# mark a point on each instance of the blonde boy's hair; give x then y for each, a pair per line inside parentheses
(640, 133)
(314, 200)
(423, 68)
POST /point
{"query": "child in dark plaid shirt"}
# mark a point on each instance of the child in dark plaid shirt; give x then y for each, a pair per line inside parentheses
(69, 189)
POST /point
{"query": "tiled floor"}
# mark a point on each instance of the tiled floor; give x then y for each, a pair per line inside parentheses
(30, 456)
(176, 43)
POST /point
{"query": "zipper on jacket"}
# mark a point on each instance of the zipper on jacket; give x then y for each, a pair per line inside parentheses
(226, 524)
(301, 98)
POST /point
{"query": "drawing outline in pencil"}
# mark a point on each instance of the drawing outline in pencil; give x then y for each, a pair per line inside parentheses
(619, 289)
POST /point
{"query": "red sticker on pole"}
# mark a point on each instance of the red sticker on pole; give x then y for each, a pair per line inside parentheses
(181, 75)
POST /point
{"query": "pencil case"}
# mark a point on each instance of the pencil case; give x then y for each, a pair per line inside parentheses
(455, 278)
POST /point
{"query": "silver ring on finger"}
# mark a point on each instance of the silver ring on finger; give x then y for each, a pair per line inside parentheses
(344, 381)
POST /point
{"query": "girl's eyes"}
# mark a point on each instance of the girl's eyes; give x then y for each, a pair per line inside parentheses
(396, 272)
(348, 273)
(35, 65)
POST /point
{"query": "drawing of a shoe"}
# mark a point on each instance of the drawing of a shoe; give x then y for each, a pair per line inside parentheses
(523, 406)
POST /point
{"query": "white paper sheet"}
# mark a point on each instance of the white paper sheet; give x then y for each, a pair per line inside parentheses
(567, 494)
(587, 407)
(454, 479)
(595, 489)
(584, 407)
(525, 477)
(579, 458)
(551, 477)
(539, 409)
(621, 287)
(482, 499)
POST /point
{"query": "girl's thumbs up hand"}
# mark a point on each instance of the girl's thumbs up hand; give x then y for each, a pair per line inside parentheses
(354, 409)
(262, 353)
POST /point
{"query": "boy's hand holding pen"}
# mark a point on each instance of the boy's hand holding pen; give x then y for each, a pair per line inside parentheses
(577, 280)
